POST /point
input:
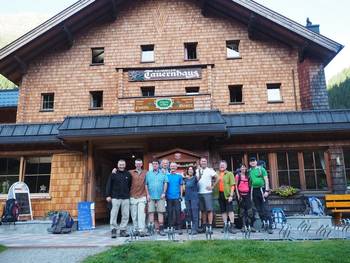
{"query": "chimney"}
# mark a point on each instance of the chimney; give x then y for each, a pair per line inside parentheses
(310, 26)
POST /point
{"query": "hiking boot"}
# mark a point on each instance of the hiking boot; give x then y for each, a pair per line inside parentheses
(143, 234)
(194, 232)
(161, 231)
(210, 229)
(253, 230)
(201, 230)
(233, 230)
(270, 231)
(114, 233)
(179, 230)
(123, 233)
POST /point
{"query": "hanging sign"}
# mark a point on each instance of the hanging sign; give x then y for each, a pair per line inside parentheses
(154, 104)
(165, 74)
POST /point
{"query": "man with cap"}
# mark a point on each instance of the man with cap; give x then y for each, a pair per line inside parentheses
(260, 190)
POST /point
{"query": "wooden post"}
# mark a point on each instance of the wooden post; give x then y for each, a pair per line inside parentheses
(22, 165)
(328, 170)
(91, 173)
(273, 170)
(302, 171)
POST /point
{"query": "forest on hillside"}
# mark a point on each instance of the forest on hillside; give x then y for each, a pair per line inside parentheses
(339, 90)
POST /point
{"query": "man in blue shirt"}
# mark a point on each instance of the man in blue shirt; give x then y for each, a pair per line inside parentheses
(156, 187)
(174, 197)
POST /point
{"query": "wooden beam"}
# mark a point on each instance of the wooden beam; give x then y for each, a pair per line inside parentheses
(328, 170)
(204, 7)
(68, 35)
(22, 164)
(91, 173)
(22, 65)
(285, 146)
(252, 27)
(113, 10)
(273, 170)
(302, 52)
(302, 171)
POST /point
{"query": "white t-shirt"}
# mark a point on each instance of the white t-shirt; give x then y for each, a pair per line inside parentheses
(206, 179)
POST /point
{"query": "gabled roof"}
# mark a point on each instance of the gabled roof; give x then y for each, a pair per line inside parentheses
(288, 122)
(179, 123)
(29, 133)
(8, 98)
(60, 30)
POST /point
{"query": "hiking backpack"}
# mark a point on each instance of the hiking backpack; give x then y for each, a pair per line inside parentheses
(240, 180)
(316, 206)
(62, 223)
(11, 211)
(279, 217)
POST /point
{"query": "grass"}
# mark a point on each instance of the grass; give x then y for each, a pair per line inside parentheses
(227, 251)
(2, 248)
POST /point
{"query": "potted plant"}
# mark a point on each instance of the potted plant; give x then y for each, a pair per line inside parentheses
(286, 191)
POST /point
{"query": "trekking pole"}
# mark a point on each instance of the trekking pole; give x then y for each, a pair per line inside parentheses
(280, 231)
(249, 231)
(169, 233)
(301, 225)
(226, 226)
(319, 229)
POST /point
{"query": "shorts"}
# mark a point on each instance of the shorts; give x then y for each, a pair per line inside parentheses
(206, 202)
(225, 205)
(156, 206)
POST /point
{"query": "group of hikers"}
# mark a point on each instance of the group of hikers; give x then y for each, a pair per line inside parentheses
(161, 190)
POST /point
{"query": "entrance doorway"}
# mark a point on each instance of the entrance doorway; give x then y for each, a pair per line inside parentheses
(105, 161)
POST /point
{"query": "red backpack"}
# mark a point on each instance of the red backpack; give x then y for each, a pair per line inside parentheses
(11, 211)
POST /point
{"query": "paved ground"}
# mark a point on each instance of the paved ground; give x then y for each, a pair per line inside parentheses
(40, 246)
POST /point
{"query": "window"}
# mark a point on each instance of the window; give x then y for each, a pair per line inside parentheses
(147, 91)
(236, 95)
(274, 92)
(261, 156)
(233, 160)
(347, 165)
(98, 55)
(192, 90)
(47, 101)
(315, 170)
(232, 49)
(190, 51)
(37, 174)
(147, 54)
(96, 99)
(288, 169)
(9, 173)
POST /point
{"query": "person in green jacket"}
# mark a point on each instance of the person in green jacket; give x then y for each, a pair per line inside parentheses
(226, 186)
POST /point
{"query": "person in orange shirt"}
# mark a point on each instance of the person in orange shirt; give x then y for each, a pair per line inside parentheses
(226, 186)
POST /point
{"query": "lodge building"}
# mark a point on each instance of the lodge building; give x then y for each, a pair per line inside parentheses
(181, 79)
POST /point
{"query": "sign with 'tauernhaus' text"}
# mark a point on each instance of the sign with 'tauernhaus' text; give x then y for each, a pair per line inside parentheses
(165, 74)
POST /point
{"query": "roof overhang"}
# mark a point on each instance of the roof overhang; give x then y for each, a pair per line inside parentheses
(22, 134)
(303, 122)
(59, 31)
(208, 123)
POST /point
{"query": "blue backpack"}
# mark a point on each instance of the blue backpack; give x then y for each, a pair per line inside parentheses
(62, 223)
(316, 206)
(279, 217)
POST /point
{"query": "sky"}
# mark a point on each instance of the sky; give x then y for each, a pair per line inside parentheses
(19, 16)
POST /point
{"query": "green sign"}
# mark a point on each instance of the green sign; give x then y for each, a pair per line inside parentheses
(164, 104)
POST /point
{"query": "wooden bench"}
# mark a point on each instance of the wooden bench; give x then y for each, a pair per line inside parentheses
(338, 204)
